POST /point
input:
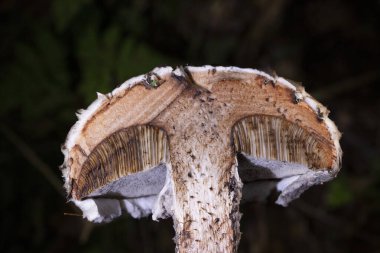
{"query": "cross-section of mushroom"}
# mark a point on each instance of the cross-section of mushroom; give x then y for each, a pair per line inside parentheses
(185, 147)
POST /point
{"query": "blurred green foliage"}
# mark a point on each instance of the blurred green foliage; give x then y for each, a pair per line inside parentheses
(93, 56)
(64, 11)
(37, 79)
(339, 193)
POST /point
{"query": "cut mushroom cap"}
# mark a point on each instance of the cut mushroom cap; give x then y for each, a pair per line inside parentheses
(167, 143)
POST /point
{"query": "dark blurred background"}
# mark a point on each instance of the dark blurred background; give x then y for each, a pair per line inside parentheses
(54, 56)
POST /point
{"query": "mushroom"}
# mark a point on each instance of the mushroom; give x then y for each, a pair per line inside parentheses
(182, 142)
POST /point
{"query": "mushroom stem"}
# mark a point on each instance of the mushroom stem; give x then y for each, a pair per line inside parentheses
(207, 187)
(206, 214)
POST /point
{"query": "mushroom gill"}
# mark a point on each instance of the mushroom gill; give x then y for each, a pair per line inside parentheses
(275, 138)
(128, 151)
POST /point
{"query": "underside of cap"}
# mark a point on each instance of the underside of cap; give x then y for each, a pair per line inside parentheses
(125, 152)
(117, 160)
(281, 156)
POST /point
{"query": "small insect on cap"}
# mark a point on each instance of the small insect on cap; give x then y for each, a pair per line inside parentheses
(184, 134)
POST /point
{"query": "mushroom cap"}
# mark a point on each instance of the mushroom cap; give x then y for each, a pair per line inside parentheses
(258, 101)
